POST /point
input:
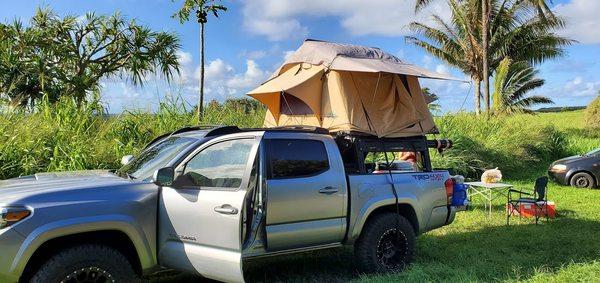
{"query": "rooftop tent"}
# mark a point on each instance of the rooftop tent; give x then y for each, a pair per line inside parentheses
(347, 88)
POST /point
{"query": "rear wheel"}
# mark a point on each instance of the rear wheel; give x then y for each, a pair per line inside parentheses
(386, 244)
(86, 263)
(583, 180)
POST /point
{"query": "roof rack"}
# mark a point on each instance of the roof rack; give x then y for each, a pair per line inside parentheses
(222, 130)
(298, 128)
(212, 128)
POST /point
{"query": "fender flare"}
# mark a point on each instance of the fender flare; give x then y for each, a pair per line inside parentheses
(57, 229)
(375, 203)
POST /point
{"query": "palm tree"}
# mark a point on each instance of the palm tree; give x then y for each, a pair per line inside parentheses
(455, 43)
(512, 32)
(432, 100)
(512, 82)
(486, 8)
(203, 8)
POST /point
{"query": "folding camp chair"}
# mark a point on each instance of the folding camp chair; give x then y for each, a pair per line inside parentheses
(539, 198)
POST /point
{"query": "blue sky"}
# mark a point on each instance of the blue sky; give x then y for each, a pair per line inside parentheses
(252, 38)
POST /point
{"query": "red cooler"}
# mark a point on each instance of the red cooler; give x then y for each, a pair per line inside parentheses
(530, 209)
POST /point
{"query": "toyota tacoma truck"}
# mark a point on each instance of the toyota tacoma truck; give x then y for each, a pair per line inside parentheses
(205, 201)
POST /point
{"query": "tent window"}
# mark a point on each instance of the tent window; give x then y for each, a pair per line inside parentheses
(291, 105)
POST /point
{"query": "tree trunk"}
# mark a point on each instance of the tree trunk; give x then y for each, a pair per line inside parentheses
(477, 96)
(201, 99)
(485, 47)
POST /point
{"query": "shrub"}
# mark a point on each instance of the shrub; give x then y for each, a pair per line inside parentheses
(592, 114)
(514, 144)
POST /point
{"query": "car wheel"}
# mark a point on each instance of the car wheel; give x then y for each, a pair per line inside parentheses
(386, 244)
(583, 180)
(86, 263)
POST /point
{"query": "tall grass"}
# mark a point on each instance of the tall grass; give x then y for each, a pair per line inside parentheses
(519, 145)
(58, 137)
(61, 136)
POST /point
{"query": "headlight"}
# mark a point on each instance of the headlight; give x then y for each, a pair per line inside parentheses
(12, 215)
(559, 168)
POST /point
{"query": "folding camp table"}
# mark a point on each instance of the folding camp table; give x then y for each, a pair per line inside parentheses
(489, 191)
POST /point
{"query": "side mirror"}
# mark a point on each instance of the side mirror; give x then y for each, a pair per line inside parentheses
(126, 159)
(164, 177)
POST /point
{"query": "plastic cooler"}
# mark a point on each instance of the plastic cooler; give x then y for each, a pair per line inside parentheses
(531, 210)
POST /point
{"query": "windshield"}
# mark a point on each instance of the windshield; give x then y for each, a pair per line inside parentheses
(593, 152)
(154, 158)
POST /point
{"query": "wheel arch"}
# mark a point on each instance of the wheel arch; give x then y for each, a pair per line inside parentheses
(116, 239)
(92, 230)
(406, 209)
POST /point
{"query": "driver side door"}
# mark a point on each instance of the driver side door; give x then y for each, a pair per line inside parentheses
(200, 215)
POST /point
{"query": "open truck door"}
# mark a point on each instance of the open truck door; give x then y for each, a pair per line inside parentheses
(201, 214)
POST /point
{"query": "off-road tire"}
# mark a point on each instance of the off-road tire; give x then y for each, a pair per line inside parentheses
(378, 229)
(583, 180)
(91, 261)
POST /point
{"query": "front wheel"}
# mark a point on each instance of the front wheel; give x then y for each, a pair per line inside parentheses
(386, 244)
(86, 263)
(583, 180)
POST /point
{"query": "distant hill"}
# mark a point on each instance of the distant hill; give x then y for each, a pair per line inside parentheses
(560, 109)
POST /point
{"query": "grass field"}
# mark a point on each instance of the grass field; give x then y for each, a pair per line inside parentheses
(478, 248)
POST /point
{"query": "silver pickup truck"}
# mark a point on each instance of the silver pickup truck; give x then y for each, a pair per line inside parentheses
(205, 201)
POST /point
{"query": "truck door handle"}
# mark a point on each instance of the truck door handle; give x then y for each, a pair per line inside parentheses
(328, 190)
(226, 209)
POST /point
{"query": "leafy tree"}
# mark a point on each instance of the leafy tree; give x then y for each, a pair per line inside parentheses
(514, 32)
(431, 99)
(512, 82)
(486, 16)
(202, 8)
(57, 57)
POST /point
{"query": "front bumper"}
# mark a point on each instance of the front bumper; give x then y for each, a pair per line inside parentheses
(560, 178)
(10, 242)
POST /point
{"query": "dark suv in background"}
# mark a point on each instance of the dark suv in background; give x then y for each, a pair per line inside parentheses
(581, 171)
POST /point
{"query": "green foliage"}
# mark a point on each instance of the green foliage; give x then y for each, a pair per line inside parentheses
(514, 32)
(518, 145)
(592, 114)
(512, 82)
(57, 57)
(63, 136)
(202, 8)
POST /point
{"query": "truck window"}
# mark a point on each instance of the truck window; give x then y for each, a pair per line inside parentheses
(296, 158)
(221, 165)
(409, 161)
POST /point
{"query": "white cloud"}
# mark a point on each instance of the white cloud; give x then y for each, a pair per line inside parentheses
(185, 62)
(580, 88)
(221, 79)
(280, 19)
(184, 58)
(251, 78)
(216, 70)
(582, 20)
(442, 69)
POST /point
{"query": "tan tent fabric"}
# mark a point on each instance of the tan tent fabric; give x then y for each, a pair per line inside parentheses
(302, 81)
(348, 88)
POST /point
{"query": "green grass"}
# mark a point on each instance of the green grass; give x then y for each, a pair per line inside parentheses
(473, 248)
